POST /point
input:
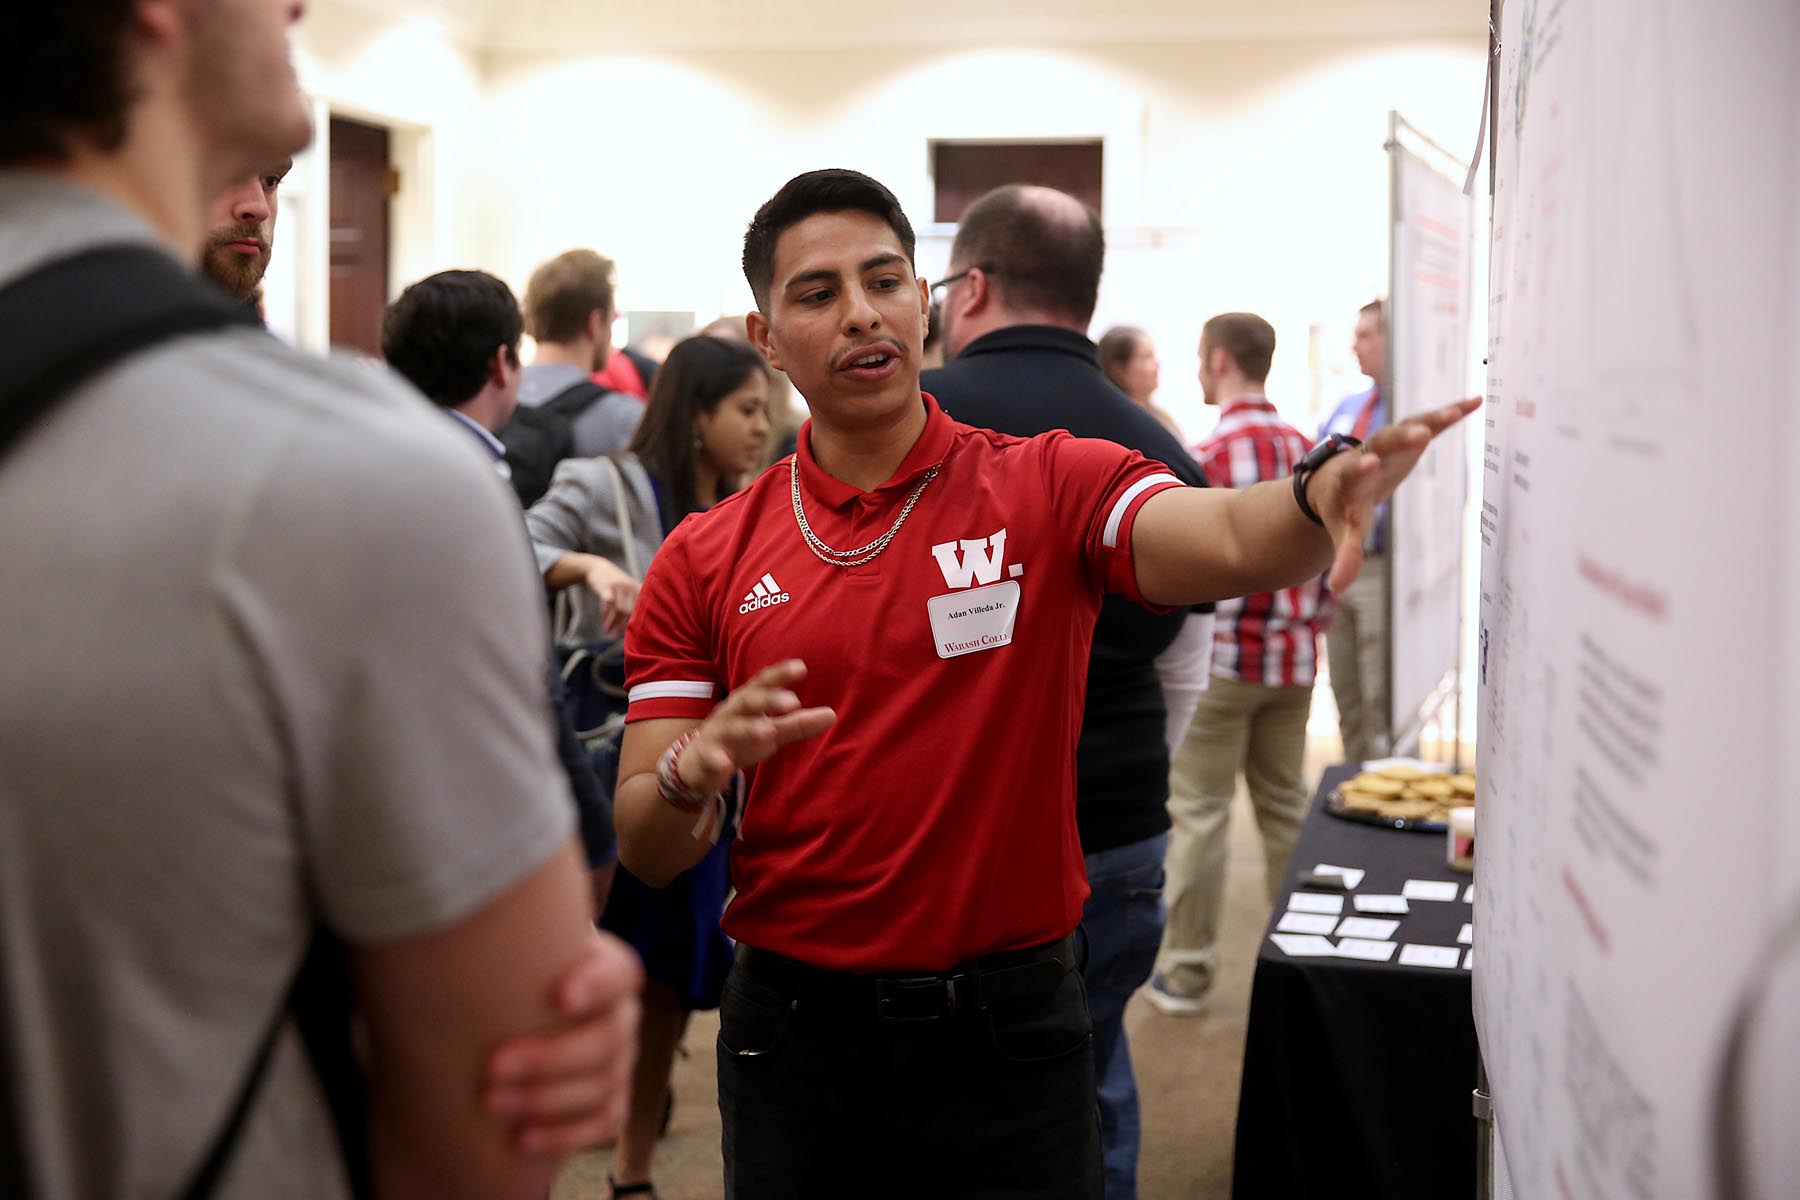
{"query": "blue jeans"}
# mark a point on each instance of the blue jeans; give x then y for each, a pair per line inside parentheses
(1123, 921)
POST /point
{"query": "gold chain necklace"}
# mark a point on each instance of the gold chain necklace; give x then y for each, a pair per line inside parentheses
(862, 554)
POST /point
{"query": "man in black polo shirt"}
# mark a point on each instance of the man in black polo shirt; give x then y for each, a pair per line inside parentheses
(1024, 272)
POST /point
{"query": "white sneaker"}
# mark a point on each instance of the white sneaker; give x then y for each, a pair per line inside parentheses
(1169, 1002)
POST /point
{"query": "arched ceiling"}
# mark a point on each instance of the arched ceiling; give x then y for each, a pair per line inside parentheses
(504, 27)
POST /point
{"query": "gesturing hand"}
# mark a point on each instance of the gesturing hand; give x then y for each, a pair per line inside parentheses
(1346, 491)
(756, 720)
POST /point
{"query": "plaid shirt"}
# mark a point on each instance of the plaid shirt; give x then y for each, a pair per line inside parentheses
(1271, 637)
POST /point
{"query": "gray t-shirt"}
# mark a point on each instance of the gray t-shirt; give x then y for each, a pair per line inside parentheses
(603, 427)
(269, 660)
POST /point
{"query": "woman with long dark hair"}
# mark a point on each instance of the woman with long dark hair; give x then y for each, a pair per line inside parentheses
(704, 429)
(1128, 357)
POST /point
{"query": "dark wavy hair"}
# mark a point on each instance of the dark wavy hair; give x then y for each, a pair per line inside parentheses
(442, 332)
(828, 191)
(699, 372)
(65, 71)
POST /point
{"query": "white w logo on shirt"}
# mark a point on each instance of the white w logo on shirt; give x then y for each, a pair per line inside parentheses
(981, 560)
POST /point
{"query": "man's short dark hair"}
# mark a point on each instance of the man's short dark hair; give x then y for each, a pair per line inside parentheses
(65, 71)
(564, 292)
(1248, 338)
(829, 191)
(1379, 309)
(442, 332)
(1045, 258)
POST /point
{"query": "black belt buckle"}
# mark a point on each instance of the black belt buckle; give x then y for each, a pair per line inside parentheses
(905, 999)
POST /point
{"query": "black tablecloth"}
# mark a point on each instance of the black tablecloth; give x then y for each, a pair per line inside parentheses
(1357, 1075)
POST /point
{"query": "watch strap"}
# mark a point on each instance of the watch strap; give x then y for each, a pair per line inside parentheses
(1327, 449)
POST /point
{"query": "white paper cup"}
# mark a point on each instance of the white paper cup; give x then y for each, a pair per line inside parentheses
(1460, 849)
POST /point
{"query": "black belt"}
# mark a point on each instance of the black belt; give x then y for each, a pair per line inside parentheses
(994, 981)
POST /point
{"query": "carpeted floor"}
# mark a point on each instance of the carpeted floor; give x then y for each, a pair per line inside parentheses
(1187, 1068)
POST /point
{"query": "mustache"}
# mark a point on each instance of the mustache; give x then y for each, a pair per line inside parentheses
(239, 232)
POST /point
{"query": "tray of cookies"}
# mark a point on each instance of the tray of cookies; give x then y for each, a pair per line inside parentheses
(1402, 794)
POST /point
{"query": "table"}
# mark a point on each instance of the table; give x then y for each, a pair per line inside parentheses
(1357, 1075)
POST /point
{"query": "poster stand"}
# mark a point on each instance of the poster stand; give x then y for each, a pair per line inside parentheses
(1427, 327)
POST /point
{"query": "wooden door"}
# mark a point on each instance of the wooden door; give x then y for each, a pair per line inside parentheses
(966, 171)
(362, 182)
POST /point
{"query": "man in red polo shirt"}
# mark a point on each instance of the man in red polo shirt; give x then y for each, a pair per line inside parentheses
(887, 633)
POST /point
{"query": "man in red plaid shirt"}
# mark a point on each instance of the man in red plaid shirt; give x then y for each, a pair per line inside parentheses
(1252, 717)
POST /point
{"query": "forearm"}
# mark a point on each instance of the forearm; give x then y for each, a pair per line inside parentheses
(1278, 546)
(1197, 544)
(434, 1005)
(569, 570)
(656, 839)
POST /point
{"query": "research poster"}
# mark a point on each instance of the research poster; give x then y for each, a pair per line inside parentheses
(1428, 327)
(1638, 612)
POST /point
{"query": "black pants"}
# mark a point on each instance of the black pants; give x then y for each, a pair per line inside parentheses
(820, 1098)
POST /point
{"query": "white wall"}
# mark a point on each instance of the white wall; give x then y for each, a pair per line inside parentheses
(414, 76)
(1241, 174)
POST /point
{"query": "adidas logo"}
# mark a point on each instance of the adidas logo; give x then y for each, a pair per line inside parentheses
(766, 594)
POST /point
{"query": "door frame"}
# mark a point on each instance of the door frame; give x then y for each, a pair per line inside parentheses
(304, 230)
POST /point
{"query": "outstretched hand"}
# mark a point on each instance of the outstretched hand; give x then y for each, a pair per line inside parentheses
(1347, 490)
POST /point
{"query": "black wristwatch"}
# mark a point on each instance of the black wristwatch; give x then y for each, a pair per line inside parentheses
(1318, 456)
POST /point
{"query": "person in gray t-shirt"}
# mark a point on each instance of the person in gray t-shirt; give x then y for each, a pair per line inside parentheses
(569, 314)
(263, 681)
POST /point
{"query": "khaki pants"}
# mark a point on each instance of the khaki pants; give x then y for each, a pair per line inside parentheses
(1356, 647)
(1260, 730)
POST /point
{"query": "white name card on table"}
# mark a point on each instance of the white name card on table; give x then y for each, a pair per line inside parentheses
(1315, 902)
(1467, 936)
(1429, 889)
(1352, 876)
(1363, 948)
(1469, 894)
(1382, 904)
(1415, 955)
(1301, 945)
(1299, 922)
(1469, 959)
(1367, 927)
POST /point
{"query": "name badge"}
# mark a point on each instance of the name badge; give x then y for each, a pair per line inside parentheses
(976, 620)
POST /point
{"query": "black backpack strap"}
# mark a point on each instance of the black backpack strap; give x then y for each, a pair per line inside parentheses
(72, 318)
(575, 399)
(318, 1001)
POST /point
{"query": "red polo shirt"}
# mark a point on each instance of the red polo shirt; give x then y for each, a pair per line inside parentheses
(935, 821)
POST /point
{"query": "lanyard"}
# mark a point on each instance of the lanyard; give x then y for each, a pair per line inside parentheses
(1361, 430)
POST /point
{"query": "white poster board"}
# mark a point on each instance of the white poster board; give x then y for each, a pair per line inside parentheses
(1638, 604)
(1428, 349)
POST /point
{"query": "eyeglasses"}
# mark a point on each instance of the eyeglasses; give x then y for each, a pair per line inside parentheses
(942, 287)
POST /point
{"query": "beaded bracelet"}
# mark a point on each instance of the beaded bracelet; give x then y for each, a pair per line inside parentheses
(669, 786)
